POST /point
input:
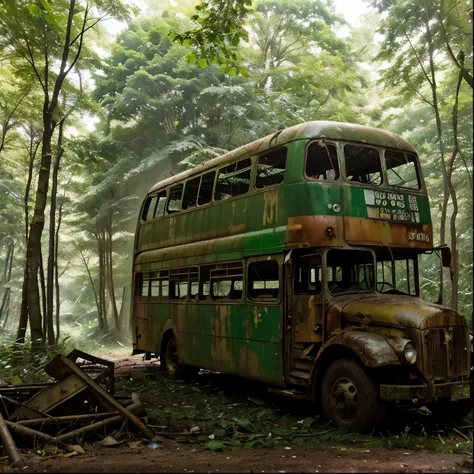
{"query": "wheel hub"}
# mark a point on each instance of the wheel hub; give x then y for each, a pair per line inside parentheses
(344, 399)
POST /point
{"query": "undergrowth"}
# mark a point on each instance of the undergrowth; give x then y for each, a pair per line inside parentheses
(235, 414)
(21, 363)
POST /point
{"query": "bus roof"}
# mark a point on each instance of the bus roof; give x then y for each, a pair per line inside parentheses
(306, 130)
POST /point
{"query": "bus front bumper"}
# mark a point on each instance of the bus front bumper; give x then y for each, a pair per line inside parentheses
(454, 391)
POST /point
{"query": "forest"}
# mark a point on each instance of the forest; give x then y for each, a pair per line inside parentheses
(91, 119)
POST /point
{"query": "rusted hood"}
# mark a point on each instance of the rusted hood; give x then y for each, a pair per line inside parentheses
(395, 310)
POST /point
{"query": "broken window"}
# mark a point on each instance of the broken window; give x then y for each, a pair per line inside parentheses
(205, 190)
(401, 169)
(233, 180)
(353, 271)
(271, 168)
(191, 192)
(144, 287)
(160, 205)
(263, 280)
(227, 281)
(363, 164)
(321, 162)
(396, 275)
(180, 282)
(308, 280)
(149, 209)
(174, 202)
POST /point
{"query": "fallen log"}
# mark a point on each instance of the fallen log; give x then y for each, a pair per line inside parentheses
(9, 443)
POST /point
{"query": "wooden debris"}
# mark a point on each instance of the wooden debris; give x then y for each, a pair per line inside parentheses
(9, 443)
(72, 419)
(75, 399)
(147, 432)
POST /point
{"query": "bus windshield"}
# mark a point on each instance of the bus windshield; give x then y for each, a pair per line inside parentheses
(350, 271)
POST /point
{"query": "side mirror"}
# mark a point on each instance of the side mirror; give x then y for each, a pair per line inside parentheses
(445, 252)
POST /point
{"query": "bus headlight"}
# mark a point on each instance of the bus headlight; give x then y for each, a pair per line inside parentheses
(409, 353)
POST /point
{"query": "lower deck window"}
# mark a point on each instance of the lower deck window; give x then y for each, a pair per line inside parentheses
(263, 280)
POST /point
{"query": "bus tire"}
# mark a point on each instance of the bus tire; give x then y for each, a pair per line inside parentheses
(350, 396)
(174, 368)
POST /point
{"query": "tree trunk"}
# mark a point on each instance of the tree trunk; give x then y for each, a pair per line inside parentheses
(23, 321)
(52, 242)
(36, 230)
(96, 297)
(56, 270)
(102, 282)
(110, 280)
(454, 250)
(7, 273)
(43, 296)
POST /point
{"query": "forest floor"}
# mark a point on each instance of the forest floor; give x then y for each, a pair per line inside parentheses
(224, 424)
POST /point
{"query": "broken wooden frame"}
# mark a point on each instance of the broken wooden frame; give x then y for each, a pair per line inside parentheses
(76, 405)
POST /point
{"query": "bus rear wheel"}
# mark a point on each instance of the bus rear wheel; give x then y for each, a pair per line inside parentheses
(350, 396)
(174, 368)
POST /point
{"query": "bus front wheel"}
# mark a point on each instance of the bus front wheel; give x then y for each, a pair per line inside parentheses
(174, 368)
(350, 396)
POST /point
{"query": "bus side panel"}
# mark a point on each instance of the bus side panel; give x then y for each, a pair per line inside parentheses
(233, 339)
(149, 321)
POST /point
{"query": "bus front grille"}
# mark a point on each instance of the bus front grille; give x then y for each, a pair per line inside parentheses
(446, 353)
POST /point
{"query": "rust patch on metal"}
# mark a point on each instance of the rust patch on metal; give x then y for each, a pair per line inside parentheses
(373, 350)
(271, 205)
(377, 232)
(314, 230)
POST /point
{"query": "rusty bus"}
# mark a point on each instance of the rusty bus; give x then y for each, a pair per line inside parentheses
(293, 260)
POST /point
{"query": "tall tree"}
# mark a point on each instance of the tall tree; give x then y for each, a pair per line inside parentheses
(46, 39)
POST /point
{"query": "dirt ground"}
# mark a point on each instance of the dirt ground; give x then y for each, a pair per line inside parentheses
(172, 458)
(222, 424)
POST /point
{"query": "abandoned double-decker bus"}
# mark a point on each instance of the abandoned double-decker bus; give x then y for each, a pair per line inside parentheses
(294, 261)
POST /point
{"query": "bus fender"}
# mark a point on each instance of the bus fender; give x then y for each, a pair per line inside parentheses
(371, 349)
(166, 327)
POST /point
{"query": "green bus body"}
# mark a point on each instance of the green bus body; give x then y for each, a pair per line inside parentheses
(280, 334)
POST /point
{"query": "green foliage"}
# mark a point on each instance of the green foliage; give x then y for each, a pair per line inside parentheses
(218, 32)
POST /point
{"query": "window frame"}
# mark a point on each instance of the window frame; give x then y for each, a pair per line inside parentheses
(381, 153)
(336, 144)
(249, 168)
(278, 258)
(227, 271)
(256, 159)
(419, 174)
(168, 198)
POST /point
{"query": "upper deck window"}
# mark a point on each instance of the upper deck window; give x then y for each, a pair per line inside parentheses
(205, 190)
(363, 164)
(154, 206)
(233, 180)
(321, 162)
(174, 202)
(271, 168)
(401, 169)
(149, 209)
(191, 192)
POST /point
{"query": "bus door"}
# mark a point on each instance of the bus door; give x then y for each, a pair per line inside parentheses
(304, 312)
